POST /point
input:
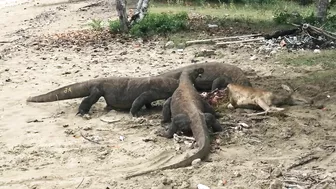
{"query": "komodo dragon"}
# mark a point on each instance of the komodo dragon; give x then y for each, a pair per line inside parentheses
(119, 92)
(187, 109)
(213, 75)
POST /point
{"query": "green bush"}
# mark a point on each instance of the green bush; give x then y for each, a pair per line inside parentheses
(96, 24)
(158, 24)
(282, 17)
(243, 2)
(114, 26)
(155, 24)
(330, 23)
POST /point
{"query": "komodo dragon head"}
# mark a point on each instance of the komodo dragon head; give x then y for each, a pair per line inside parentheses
(195, 73)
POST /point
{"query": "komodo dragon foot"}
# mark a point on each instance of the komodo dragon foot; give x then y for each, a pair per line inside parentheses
(181, 125)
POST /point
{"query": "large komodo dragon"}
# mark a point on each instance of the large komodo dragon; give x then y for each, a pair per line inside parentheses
(215, 75)
(119, 92)
(188, 110)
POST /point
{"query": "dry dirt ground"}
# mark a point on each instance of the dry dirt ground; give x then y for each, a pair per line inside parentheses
(41, 145)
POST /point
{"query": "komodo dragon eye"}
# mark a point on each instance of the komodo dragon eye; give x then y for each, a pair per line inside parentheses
(200, 70)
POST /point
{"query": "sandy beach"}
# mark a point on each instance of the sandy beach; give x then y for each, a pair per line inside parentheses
(41, 146)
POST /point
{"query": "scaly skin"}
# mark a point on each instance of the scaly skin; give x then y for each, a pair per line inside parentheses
(215, 75)
(187, 107)
(119, 92)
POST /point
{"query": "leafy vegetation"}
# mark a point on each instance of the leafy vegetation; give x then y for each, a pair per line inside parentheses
(284, 16)
(155, 24)
(114, 26)
(96, 24)
(249, 15)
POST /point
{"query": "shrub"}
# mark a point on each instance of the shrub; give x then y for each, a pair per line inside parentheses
(96, 24)
(114, 26)
(160, 24)
(155, 24)
(282, 17)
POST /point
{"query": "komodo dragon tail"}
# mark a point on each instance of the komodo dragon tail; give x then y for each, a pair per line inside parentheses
(203, 151)
(76, 90)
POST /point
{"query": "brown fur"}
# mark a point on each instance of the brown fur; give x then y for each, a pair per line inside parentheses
(254, 98)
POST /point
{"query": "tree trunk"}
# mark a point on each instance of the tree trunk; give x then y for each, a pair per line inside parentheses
(121, 9)
(141, 11)
(322, 7)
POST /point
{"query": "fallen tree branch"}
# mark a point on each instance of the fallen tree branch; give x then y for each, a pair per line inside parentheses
(315, 29)
(321, 32)
(88, 138)
(90, 5)
(6, 41)
(205, 41)
(303, 161)
(80, 183)
(282, 33)
(234, 42)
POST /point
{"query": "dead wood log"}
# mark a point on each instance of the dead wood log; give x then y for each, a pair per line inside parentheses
(321, 32)
(206, 41)
(6, 41)
(282, 33)
(317, 30)
(84, 8)
(234, 42)
(304, 160)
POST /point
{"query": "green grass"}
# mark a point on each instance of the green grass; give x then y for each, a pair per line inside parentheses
(248, 18)
(234, 11)
(262, 16)
(307, 58)
(242, 18)
(324, 79)
(321, 76)
(96, 24)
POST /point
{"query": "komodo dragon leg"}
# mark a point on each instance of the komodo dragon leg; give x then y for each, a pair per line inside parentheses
(212, 122)
(179, 122)
(166, 112)
(87, 103)
(145, 99)
(221, 82)
(209, 109)
(148, 106)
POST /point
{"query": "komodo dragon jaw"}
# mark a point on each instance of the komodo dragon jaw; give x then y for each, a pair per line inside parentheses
(188, 110)
(196, 73)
